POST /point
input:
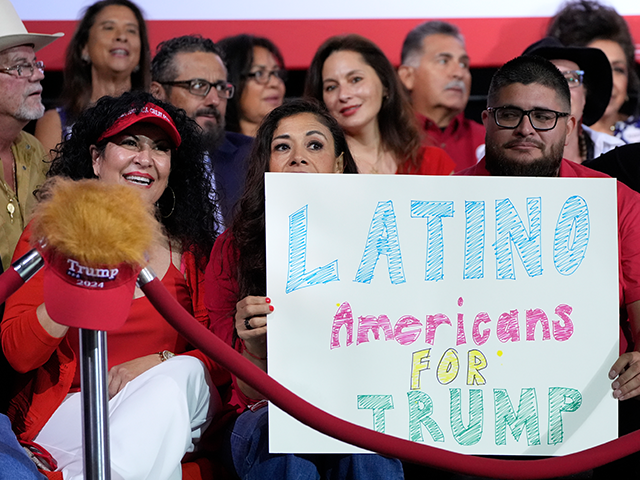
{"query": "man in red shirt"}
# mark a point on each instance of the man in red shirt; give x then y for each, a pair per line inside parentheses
(527, 120)
(435, 70)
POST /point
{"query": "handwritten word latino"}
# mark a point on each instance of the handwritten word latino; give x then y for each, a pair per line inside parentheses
(570, 241)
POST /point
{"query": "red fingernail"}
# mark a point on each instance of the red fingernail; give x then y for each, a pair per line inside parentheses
(268, 300)
(271, 307)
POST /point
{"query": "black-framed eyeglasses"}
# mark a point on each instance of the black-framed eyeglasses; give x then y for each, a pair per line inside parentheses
(262, 76)
(511, 117)
(24, 70)
(574, 77)
(201, 87)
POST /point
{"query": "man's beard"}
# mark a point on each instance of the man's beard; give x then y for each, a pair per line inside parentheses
(27, 112)
(212, 132)
(498, 164)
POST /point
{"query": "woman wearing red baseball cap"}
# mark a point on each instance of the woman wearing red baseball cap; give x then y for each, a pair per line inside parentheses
(162, 394)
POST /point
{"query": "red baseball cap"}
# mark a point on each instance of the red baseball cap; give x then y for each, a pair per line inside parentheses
(150, 113)
(90, 297)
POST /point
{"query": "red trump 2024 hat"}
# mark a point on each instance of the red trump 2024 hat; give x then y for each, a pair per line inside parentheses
(89, 297)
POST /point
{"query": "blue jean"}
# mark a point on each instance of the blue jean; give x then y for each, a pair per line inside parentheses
(14, 462)
(249, 444)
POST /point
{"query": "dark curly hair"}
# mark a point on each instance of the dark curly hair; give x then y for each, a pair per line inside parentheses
(581, 22)
(238, 57)
(76, 92)
(193, 221)
(248, 226)
(396, 121)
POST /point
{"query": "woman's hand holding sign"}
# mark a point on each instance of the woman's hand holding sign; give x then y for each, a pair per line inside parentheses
(251, 324)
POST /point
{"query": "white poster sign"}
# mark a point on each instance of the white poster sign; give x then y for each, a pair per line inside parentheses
(475, 314)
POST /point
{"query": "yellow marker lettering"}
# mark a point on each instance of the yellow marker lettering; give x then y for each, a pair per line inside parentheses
(477, 361)
(448, 367)
(419, 362)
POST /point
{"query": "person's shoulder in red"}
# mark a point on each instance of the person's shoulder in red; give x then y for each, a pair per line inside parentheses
(477, 169)
(477, 131)
(221, 286)
(466, 139)
(628, 228)
(431, 161)
(567, 169)
(573, 169)
(460, 139)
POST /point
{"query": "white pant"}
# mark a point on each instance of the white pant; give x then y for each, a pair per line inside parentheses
(153, 421)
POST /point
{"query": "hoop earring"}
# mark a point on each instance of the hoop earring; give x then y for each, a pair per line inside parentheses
(173, 207)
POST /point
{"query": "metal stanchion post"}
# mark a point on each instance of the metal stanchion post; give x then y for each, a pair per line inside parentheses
(95, 404)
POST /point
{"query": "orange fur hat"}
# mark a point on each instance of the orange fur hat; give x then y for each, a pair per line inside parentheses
(93, 236)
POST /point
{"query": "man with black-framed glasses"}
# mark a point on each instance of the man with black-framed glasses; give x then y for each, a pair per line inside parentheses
(528, 120)
(189, 72)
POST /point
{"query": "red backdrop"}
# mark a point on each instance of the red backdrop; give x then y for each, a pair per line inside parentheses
(490, 41)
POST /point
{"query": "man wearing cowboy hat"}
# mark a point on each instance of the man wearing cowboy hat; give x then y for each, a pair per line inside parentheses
(21, 154)
(22, 171)
(588, 74)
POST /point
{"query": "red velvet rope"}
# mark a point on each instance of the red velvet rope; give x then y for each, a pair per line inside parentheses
(387, 445)
(10, 281)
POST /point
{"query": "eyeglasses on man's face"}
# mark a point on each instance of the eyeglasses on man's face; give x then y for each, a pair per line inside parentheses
(24, 70)
(574, 77)
(201, 87)
(511, 117)
(262, 76)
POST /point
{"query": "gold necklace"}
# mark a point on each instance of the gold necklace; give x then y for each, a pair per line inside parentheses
(13, 198)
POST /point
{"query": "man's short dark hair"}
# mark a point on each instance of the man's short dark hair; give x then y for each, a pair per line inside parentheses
(527, 70)
(412, 46)
(162, 66)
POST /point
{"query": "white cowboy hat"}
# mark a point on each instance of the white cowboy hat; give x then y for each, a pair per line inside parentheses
(13, 32)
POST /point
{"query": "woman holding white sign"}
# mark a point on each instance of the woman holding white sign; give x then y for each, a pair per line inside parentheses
(361, 90)
(299, 136)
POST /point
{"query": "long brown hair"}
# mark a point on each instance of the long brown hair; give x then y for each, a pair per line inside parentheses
(237, 54)
(396, 121)
(248, 225)
(76, 92)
